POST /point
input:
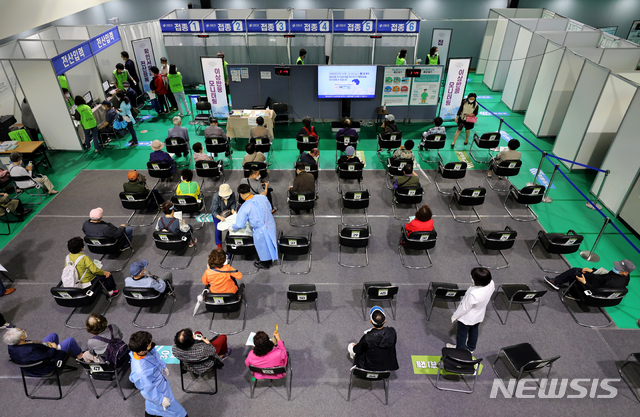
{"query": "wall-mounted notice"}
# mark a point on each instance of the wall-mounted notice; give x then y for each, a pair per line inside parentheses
(265, 75)
(574, 26)
(454, 87)
(425, 88)
(235, 75)
(548, 14)
(634, 33)
(244, 72)
(395, 87)
(212, 70)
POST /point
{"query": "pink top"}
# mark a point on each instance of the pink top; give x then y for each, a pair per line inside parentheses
(277, 357)
(200, 156)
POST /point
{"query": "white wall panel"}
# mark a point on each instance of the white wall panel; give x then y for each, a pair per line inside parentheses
(552, 24)
(486, 45)
(32, 49)
(581, 39)
(620, 59)
(73, 32)
(506, 55)
(494, 53)
(517, 65)
(594, 54)
(535, 54)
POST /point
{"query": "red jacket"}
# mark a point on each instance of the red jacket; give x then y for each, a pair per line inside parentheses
(416, 225)
(160, 88)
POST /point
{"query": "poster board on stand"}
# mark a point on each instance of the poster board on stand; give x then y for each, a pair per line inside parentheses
(454, 87)
(213, 74)
(441, 38)
(395, 87)
(425, 89)
(143, 52)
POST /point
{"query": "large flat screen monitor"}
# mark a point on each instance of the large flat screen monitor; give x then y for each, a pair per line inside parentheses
(345, 81)
(88, 98)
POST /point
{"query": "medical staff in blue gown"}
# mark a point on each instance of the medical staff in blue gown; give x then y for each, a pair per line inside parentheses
(256, 209)
(149, 374)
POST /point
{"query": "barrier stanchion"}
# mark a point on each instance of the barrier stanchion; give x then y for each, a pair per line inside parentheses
(591, 256)
(535, 178)
(593, 204)
(500, 125)
(546, 198)
(192, 121)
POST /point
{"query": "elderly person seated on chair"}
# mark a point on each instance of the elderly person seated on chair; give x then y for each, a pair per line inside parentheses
(99, 327)
(507, 155)
(198, 353)
(96, 227)
(389, 125)
(267, 353)
(158, 155)
(220, 276)
(187, 186)
(307, 129)
(86, 269)
(177, 131)
(137, 183)
(170, 223)
(260, 131)
(592, 279)
(198, 155)
(310, 157)
(13, 205)
(258, 187)
(16, 170)
(253, 155)
(376, 350)
(223, 205)
(141, 279)
(405, 151)
(347, 130)
(25, 351)
(422, 222)
(409, 177)
(213, 130)
(349, 156)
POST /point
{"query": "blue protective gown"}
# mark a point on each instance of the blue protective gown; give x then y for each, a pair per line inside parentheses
(257, 211)
(146, 374)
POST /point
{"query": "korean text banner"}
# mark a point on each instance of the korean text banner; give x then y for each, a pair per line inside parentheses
(224, 26)
(213, 72)
(180, 25)
(71, 58)
(454, 87)
(104, 40)
(144, 58)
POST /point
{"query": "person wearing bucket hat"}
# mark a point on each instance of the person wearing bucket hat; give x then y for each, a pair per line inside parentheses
(222, 206)
(592, 279)
(139, 278)
(376, 350)
(158, 155)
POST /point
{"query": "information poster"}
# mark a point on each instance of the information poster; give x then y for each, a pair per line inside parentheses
(634, 33)
(441, 39)
(144, 58)
(425, 88)
(395, 87)
(212, 70)
(454, 87)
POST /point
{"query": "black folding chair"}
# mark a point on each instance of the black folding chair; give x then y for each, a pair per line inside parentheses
(407, 195)
(598, 299)
(452, 171)
(305, 200)
(558, 244)
(263, 144)
(59, 366)
(636, 364)
(209, 169)
(527, 195)
(388, 142)
(350, 171)
(241, 245)
(173, 242)
(417, 241)
(159, 170)
(31, 185)
(379, 291)
(467, 197)
(148, 298)
(104, 371)
(203, 114)
(518, 294)
(343, 141)
(138, 201)
(355, 200)
(459, 362)
(225, 303)
(79, 297)
(188, 204)
(442, 291)
(302, 293)
(494, 240)
(216, 145)
(286, 371)
(255, 166)
(367, 375)
(354, 237)
(486, 141)
(434, 141)
(394, 169)
(178, 145)
(109, 246)
(505, 169)
(524, 359)
(183, 371)
(294, 245)
(306, 143)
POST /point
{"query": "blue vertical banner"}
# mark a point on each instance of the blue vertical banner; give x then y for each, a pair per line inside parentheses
(224, 26)
(310, 26)
(71, 58)
(104, 40)
(268, 26)
(180, 26)
(354, 26)
(398, 26)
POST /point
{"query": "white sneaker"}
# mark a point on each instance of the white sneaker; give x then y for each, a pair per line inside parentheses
(452, 346)
(180, 114)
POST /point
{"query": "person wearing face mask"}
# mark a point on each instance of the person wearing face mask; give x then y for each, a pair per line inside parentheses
(468, 108)
(149, 374)
(310, 157)
(67, 98)
(24, 351)
(592, 279)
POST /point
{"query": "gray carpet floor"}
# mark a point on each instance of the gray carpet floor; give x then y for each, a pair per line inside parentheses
(318, 351)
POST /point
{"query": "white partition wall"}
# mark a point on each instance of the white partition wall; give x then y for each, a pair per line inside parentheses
(507, 50)
(486, 42)
(550, 25)
(622, 160)
(605, 122)
(516, 67)
(38, 80)
(621, 59)
(73, 32)
(581, 108)
(494, 52)
(543, 86)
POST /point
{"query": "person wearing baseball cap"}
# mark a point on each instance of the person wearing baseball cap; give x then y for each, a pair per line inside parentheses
(389, 125)
(139, 278)
(158, 155)
(96, 227)
(376, 350)
(592, 279)
(137, 183)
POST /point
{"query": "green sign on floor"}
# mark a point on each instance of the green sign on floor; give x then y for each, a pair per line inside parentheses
(428, 365)
(463, 156)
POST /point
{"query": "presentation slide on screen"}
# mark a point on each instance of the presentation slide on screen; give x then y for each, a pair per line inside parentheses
(346, 81)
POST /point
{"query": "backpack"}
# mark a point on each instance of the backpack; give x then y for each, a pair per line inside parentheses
(117, 353)
(152, 84)
(166, 227)
(70, 273)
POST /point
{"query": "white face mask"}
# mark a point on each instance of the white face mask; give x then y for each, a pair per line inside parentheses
(67, 95)
(471, 101)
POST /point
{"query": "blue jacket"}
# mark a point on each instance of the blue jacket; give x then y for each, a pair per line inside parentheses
(162, 156)
(34, 352)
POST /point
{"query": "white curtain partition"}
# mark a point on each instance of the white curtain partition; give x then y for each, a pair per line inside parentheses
(141, 30)
(623, 162)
